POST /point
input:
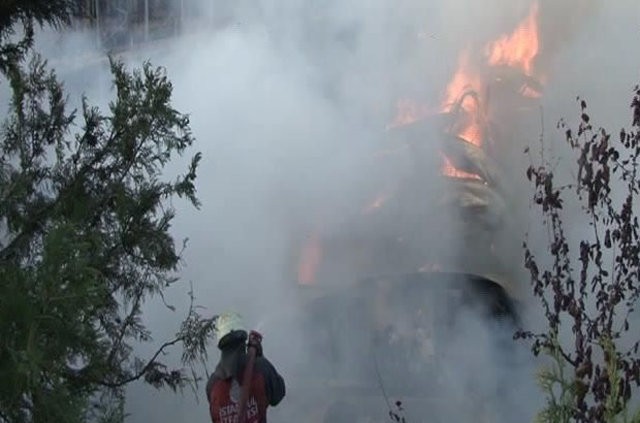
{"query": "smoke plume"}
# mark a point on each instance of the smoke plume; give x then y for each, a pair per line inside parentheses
(289, 102)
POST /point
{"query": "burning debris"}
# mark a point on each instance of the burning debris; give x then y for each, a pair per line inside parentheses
(519, 49)
(470, 127)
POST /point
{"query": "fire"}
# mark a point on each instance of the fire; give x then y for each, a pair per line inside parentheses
(463, 89)
(464, 96)
(464, 93)
(530, 92)
(449, 170)
(310, 260)
(408, 112)
(464, 80)
(472, 127)
(520, 48)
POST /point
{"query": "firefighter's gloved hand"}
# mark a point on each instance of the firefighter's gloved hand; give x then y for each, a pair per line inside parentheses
(255, 341)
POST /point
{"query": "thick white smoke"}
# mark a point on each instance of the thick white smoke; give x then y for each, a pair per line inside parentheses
(286, 99)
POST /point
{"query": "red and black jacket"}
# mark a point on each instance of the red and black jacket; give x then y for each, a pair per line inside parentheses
(267, 389)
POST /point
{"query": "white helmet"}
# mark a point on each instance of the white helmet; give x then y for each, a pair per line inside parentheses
(226, 323)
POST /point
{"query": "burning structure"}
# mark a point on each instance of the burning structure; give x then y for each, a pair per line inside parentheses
(406, 286)
(480, 113)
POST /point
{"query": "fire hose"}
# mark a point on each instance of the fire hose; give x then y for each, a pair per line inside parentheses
(254, 342)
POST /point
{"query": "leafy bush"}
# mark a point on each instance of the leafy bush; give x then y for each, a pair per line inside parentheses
(591, 286)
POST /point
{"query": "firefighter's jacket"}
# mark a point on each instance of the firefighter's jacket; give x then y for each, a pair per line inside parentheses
(223, 391)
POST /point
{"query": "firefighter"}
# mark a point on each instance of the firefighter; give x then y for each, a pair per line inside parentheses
(225, 385)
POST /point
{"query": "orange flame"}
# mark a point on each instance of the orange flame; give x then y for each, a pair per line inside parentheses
(465, 81)
(408, 112)
(310, 260)
(449, 170)
(530, 92)
(472, 127)
(520, 48)
(464, 93)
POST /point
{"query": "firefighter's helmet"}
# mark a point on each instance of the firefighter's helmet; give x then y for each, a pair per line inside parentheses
(230, 329)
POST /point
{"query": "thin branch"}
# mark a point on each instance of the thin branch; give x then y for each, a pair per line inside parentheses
(144, 370)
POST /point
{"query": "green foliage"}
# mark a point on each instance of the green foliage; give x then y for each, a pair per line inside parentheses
(558, 387)
(85, 215)
(17, 23)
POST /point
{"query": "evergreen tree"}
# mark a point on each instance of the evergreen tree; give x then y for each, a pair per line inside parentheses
(84, 232)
